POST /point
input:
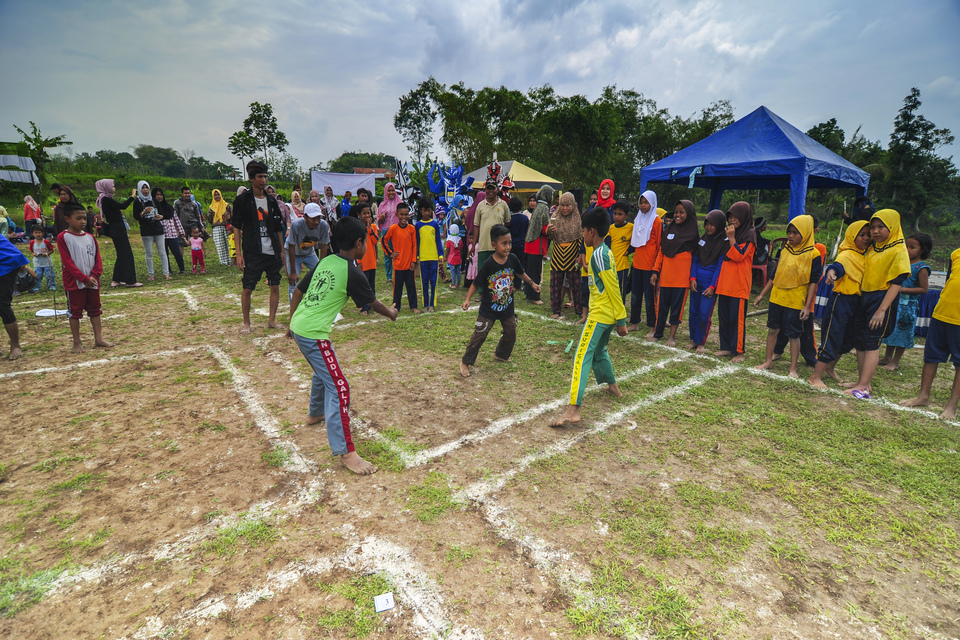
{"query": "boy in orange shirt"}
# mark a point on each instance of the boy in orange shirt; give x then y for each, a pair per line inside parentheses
(400, 243)
(672, 269)
(368, 263)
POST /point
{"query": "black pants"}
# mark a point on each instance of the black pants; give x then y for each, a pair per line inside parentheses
(372, 279)
(535, 271)
(481, 328)
(403, 278)
(669, 308)
(643, 293)
(173, 246)
(808, 343)
(732, 314)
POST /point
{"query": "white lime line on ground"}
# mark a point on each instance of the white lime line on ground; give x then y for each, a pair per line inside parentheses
(192, 303)
(414, 591)
(502, 424)
(479, 491)
(102, 361)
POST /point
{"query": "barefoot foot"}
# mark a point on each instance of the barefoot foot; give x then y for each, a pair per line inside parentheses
(464, 370)
(949, 414)
(691, 346)
(103, 344)
(275, 325)
(570, 416)
(78, 348)
(763, 366)
(737, 358)
(723, 352)
(919, 401)
(891, 366)
(15, 353)
(651, 335)
(633, 327)
(672, 343)
(614, 390)
(817, 382)
(496, 357)
(701, 349)
(314, 419)
(245, 329)
(793, 373)
(358, 465)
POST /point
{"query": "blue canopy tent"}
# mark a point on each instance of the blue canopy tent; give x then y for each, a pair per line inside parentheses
(758, 151)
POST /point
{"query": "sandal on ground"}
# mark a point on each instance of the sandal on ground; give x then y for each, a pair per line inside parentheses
(860, 395)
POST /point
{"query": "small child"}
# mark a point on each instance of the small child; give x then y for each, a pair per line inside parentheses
(672, 269)
(943, 342)
(794, 285)
(368, 263)
(735, 280)
(42, 264)
(82, 267)
(495, 277)
(606, 311)
(704, 273)
(453, 255)
(400, 243)
(620, 234)
(836, 335)
(323, 297)
(196, 251)
(919, 247)
(808, 342)
(886, 265)
(429, 250)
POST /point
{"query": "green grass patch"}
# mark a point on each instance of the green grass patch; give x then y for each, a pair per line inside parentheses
(458, 555)
(52, 463)
(80, 482)
(276, 457)
(252, 532)
(65, 520)
(360, 619)
(88, 544)
(20, 591)
(432, 498)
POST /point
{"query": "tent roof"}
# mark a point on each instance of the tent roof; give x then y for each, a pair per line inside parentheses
(15, 168)
(759, 151)
(524, 178)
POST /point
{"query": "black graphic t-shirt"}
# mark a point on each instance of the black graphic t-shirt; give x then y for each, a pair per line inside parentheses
(495, 282)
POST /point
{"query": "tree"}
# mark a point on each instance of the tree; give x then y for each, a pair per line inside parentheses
(919, 180)
(350, 159)
(414, 121)
(161, 160)
(38, 145)
(830, 135)
(261, 133)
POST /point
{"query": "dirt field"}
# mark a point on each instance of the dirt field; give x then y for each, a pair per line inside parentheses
(169, 488)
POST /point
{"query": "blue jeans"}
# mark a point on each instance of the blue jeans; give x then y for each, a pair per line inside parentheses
(428, 278)
(454, 274)
(388, 265)
(311, 260)
(329, 393)
(51, 279)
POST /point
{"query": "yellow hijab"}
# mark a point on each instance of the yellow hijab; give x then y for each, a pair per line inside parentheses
(852, 260)
(218, 207)
(793, 270)
(882, 263)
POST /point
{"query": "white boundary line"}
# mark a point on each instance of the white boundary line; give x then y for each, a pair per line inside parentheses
(102, 361)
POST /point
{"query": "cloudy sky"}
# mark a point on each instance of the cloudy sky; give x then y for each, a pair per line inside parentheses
(182, 73)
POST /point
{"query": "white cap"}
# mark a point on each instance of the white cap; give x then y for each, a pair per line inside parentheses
(312, 210)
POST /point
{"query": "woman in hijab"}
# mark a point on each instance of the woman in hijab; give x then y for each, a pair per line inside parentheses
(672, 269)
(735, 279)
(173, 232)
(605, 197)
(296, 204)
(536, 241)
(647, 230)
(886, 265)
(151, 229)
(704, 271)
(124, 269)
(220, 214)
(566, 233)
(66, 195)
(387, 217)
(32, 216)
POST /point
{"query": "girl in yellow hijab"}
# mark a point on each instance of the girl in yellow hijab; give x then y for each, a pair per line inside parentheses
(886, 264)
(836, 327)
(793, 287)
(220, 213)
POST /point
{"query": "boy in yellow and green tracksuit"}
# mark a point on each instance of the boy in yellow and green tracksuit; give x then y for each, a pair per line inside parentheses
(606, 312)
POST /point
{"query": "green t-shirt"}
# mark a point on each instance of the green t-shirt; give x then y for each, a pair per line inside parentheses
(325, 290)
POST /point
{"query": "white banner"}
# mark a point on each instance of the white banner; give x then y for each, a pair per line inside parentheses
(341, 182)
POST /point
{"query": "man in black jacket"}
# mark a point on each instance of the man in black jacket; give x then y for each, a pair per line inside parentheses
(257, 228)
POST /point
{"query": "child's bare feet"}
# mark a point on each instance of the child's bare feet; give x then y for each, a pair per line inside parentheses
(581, 321)
(416, 312)
(245, 329)
(77, 347)
(793, 373)
(464, 370)
(15, 353)
(103, 344)
(633, 327)
(817, 382)
(776, 357)
(614, 390)
(723, 352)
(556, 316)
(701, 349)
(737, 358)
(672, 343)
(884, 361)
(832, 372)
(848, 385)
(314, 419)
(949, 413)
(919, 401)
(273, 324)
(764, 365)
(358, 465)
(570, 416)
(651, 335)
(692, 345)
(891, 366)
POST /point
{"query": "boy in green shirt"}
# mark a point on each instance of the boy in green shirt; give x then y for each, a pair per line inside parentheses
(316, 301)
